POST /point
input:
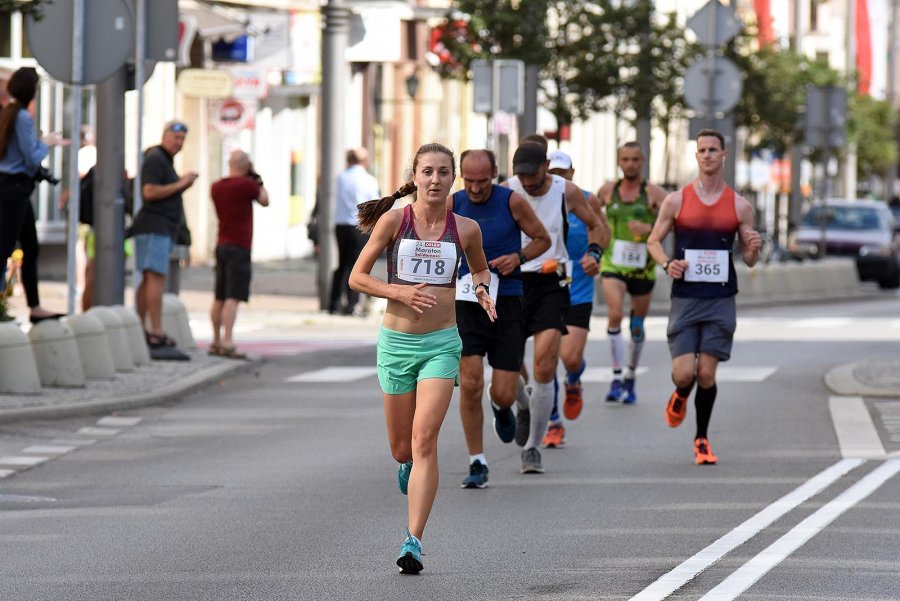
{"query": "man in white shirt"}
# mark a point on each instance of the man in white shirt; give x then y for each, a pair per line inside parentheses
(354, 185)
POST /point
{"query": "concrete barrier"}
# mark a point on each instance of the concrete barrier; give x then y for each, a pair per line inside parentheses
(134, 335)
(56, 354)
(18, 370)
(176, 323)
(118, 340)
(93, 346)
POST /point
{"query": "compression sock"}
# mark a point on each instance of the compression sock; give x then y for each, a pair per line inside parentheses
(704, 401)
(541, 406)
(554, 415)
(522, 400)
(574, 378)
(617, 346)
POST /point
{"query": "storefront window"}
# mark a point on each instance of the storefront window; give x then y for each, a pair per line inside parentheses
(5, 33)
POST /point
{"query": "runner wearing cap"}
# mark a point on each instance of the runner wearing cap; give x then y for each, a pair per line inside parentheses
(545, 282)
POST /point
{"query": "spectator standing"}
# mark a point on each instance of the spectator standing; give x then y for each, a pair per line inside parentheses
(21, 153)
(233, 197)
(355, 185)
(155, 228)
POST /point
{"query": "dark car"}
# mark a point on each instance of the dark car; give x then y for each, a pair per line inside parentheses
(863, 229)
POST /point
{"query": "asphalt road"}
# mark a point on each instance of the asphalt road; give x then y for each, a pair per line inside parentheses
(265, 489)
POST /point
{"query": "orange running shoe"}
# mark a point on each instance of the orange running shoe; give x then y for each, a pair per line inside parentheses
(703, 452)
(676, 410)
(574, 401)
(555, 437)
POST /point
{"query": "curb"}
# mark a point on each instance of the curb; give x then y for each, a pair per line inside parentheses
(842, 381)
(170, 392)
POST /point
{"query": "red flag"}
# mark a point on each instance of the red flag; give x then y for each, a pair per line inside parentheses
(765, 35)
(863, 47)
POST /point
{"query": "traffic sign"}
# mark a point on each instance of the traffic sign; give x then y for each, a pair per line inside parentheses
(714, 24)
(825, 123)
(498, 85)
(108, 39)
(712, 85)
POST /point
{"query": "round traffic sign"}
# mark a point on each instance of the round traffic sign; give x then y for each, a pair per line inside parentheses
(107, 39)
(712, 85)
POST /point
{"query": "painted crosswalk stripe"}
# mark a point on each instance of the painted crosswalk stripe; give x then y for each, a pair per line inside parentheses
(748, 574)
(118, 422)
(334, 374)
(74, 442)
(90, 431)
(6, 473)
(594, 375)
(853, 425)
(685, 572)
(23, 460)
(730, 373)
(40, 449)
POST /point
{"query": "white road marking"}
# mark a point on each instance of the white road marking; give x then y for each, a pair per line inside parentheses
(673, 580)
(118, 422)
(75, 442)
(818, 323)
(22, 460)
(744, 374)
(603, 374)
(40, 449)
(334, 374)
(90, 431)
(745, 576)
(6, 473)
(853, 425)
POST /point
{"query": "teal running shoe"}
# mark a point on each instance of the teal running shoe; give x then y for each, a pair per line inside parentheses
(478, 475)
(403, 476)
(410, 560)
(504, 423)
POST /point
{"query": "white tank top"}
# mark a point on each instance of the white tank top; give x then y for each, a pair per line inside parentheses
(551, 211)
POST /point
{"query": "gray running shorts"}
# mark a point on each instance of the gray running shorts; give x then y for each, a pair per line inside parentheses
(702, 325)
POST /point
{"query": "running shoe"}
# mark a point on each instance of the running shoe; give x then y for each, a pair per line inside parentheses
(574, 401)
(504, 423)
(410, 560)
(703, 452)
(616, 391)
(523, 426)
(478, 476)
(630, 396)
(676, 409)
(403, 476)
(531, 461)
(555, 437)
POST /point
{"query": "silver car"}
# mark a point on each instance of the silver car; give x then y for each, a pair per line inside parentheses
(862, 229)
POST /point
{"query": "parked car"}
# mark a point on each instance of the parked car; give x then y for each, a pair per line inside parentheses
(863, 229)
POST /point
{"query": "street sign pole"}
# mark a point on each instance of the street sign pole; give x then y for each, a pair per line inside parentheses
(74, 179)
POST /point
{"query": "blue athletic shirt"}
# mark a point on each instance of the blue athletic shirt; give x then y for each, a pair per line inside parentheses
(581, 289)
(500, 233)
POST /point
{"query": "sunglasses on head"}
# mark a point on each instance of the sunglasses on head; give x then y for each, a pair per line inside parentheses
(178, 128)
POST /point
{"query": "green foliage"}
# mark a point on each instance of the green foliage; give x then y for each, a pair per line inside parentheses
(34, 8)
(871, 127)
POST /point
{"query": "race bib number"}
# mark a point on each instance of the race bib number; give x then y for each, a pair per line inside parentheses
(426, 261)
(629, 254)
(465, 290)
(706, 266)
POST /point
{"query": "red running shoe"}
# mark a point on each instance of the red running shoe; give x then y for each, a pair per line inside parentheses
(676, 409)
(703, 452)
(574, 401)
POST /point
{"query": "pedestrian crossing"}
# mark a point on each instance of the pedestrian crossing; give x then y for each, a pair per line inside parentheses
(592, 375)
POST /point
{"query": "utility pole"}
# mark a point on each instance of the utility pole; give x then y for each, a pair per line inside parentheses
(645, 94)
(890, 175)
(795, 204)
(336, 16)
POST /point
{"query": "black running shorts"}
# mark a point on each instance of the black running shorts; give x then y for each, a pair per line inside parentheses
(502, 340)
(546, 303)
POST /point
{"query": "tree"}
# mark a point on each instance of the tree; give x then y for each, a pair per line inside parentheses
(871, 127)
(34, 8)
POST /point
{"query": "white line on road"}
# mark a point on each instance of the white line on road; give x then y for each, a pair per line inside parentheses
(6, 473)
(91, 431)
(756, 568)
(40, 449)
(334, 374)
(112, 421)
(22, 460)
(673, 580)
(593, 375)
(744, 374)
(853, 425)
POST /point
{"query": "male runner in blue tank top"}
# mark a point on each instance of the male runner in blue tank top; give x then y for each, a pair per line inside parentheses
(503, 216)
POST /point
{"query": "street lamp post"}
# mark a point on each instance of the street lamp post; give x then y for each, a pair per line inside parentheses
(336, 17)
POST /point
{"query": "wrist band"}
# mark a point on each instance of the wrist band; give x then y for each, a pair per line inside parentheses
(522, 258)
(486, 287)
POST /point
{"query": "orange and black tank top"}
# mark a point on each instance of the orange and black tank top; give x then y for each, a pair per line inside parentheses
(414, 261)
(705, 236)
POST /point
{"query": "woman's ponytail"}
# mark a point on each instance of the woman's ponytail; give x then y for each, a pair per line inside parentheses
(370, 211)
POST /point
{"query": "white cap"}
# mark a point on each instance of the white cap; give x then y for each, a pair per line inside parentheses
(559, 160)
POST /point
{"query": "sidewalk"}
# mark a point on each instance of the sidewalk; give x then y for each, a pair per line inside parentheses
(284, 307)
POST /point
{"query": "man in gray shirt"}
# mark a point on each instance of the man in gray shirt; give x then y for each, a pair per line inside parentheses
(354, 185)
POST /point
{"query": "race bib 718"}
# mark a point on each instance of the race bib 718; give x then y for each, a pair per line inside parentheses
(426, 261)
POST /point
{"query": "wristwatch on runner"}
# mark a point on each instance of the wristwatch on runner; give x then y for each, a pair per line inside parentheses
(665, 266)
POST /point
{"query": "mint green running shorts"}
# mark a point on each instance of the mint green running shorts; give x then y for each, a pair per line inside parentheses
(405, 359)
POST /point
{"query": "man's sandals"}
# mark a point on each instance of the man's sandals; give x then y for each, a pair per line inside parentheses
(229, 352)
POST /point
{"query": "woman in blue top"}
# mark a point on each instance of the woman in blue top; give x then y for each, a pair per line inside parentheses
(21, 153)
